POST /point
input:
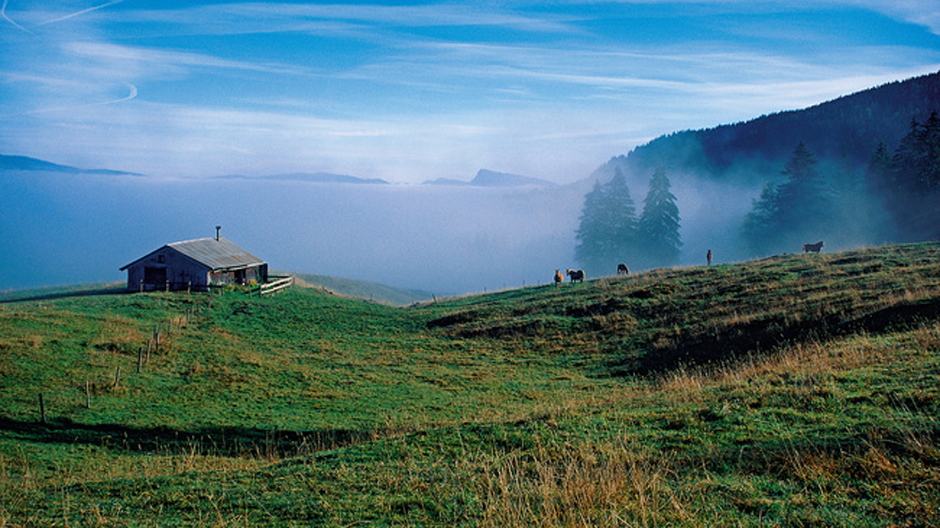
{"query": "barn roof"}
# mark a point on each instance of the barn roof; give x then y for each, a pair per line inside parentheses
(214, 253)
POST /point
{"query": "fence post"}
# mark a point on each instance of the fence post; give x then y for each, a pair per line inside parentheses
(140, 358)
(87, 395)
(42, 408)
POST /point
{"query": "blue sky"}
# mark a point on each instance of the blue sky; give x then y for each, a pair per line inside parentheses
(411, 91)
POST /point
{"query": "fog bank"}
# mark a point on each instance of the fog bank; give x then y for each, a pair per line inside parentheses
(79, 229)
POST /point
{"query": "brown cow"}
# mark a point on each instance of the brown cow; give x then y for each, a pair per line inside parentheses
(559, 278)
(814, 248)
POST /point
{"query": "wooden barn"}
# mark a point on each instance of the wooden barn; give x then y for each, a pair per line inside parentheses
(195, 264)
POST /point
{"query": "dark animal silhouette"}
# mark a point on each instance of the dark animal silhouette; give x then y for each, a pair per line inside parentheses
(708, 256)
(622, 269)
(559, 278)
(576, 276)
(807, 248)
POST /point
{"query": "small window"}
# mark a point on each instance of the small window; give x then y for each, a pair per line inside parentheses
(161, 259)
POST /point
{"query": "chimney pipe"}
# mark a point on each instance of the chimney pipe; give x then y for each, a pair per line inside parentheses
(217, 230)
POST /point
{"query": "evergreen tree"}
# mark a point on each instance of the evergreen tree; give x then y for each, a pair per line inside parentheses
(659, 225)
(607, 229)
(916, 175)
(880, 187)
(930, 144)
(760, 223)
(622, 214)
(879, 179)
(803, 196)
(803, 203)
(592, 231)
(798, 210)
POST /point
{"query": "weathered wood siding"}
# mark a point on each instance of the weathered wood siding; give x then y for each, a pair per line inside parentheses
(167, 267)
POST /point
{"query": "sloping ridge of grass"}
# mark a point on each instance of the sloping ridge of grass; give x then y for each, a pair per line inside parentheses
(797, 390)
(359, 289)
(664, 319)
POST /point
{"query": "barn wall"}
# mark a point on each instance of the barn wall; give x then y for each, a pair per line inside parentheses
(167, 267)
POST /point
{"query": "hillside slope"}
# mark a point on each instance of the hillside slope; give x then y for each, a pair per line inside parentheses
(363, 289)
(847, 129)
(799, 390)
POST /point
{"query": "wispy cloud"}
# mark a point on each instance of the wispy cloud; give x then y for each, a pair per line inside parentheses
(424, 90)
(69, 16)
(156, 58)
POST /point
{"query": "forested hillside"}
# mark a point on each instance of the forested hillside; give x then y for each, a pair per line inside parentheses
(848, 128)
(861, 170)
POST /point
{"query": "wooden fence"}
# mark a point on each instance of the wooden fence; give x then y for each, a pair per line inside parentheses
(272, 287)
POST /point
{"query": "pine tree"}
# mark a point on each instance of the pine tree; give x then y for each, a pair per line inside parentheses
(608, 225)
(623, 223)
(592, 231)
(797, 211)
(881, 188)
(803, 203)
(760, 223)
(659, 225)
(916, 171)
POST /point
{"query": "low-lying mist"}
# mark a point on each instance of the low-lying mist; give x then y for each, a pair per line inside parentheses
(77, 229)
(66, 229)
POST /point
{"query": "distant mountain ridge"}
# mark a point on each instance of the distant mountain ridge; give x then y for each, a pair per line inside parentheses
(25, 163)
(311, 177)
(488, 178)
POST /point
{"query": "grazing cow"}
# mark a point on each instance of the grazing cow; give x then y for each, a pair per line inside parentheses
(559, 278)
(708, 257)
(807, 248)
(622, 269)
(576, 276)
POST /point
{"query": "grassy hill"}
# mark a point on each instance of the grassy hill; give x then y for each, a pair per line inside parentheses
(363, 289)
(797, 390)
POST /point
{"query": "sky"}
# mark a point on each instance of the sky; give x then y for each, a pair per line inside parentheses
(414, 91)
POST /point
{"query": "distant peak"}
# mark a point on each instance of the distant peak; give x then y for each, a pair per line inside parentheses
(488, 178)
(25, 163)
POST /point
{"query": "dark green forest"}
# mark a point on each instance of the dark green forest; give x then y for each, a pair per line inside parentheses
(849, 129)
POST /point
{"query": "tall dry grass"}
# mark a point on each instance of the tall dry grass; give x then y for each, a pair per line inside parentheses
(620, 483)
(611, 484)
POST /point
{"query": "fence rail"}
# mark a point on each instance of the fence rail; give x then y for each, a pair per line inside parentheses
(274, 287)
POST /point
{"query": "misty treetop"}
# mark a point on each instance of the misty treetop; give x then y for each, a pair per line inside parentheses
(897, 199)
(608, 225)
(659, 225)
(910, 181)
(610, 232)
(797, 209)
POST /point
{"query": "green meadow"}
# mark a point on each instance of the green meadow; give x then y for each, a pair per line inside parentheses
(799, 390)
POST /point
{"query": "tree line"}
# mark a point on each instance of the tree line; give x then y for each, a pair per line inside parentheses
(610, 232)
(895, 199)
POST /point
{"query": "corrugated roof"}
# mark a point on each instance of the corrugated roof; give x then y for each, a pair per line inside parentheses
(217, 254)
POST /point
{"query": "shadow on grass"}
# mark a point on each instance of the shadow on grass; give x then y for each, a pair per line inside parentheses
(48, 294)
(219, 441)
(755, 337)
